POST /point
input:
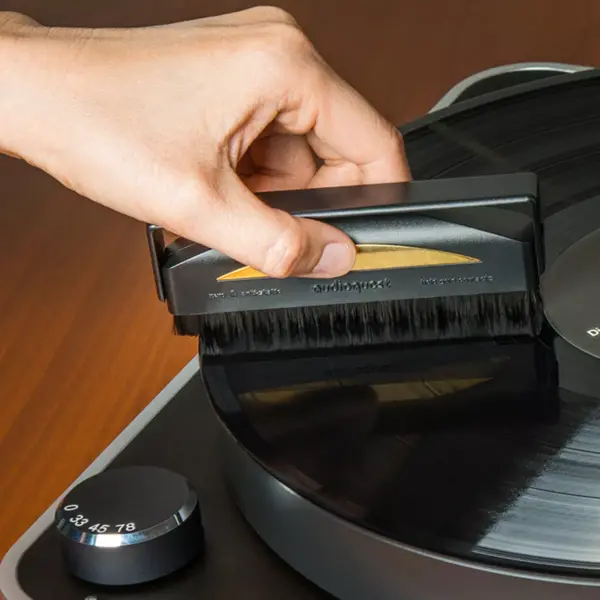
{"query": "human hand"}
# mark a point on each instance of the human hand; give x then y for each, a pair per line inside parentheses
(180, 125)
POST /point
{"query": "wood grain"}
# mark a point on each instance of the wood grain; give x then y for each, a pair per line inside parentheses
(84, 343)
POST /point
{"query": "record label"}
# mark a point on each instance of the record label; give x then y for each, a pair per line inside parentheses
(571, 294)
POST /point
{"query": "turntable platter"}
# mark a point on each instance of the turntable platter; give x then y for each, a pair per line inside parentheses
(484, 452)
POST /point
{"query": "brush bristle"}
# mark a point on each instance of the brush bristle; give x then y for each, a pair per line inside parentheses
(365, 324)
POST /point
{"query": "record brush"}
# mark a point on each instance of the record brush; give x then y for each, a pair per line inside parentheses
(442, 259)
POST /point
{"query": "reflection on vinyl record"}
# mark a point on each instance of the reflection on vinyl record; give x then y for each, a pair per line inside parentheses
(470, 450)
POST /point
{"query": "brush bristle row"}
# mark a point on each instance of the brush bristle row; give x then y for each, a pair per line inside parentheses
(344, 325)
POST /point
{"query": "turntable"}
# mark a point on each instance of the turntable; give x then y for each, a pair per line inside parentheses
(456, 471)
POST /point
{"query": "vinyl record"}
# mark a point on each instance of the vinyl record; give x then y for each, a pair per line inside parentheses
(483, 451)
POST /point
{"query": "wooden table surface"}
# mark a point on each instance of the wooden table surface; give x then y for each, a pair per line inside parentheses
(84, 342)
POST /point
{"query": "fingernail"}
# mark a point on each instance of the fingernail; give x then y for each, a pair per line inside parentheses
(337, 259)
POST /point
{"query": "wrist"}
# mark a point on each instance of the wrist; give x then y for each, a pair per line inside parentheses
(25, 76)
(13, 75)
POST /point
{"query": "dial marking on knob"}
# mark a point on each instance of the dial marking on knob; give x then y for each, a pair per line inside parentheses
(129, 525)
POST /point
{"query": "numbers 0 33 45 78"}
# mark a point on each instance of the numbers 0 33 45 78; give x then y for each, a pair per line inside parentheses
(82, 522)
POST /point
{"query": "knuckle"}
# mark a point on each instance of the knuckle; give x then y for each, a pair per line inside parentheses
(285, 50)
(273, 13)
(288, 250)
(276, 47)
(283, 34)
(290, 39)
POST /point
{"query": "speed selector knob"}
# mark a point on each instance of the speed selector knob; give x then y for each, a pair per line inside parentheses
(129, 525)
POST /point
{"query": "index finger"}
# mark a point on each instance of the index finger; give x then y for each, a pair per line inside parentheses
(348, 131)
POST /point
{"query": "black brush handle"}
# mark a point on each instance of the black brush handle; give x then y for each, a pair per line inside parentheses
(416, 240)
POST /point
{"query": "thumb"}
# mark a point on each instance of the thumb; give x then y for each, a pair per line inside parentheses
(235, 222)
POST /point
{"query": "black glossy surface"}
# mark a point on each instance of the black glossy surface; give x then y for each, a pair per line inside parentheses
(454, 449)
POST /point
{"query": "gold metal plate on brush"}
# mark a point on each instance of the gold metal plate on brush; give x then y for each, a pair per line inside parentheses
(374, 257)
